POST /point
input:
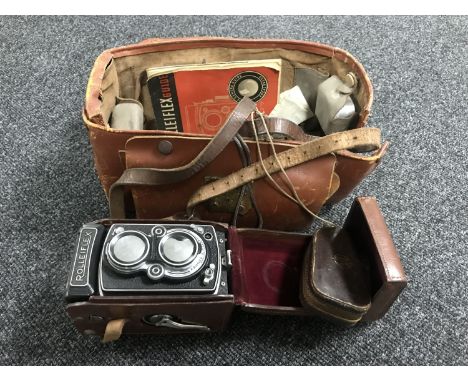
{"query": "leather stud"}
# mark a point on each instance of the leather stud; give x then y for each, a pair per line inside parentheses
(165, 147)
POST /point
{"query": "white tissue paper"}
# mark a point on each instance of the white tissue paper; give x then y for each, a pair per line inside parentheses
(293, 106)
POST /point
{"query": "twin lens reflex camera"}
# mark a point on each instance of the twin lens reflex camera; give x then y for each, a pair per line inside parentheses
(149, 258)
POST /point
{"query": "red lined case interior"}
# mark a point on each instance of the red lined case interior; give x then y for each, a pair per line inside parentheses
(266, 267)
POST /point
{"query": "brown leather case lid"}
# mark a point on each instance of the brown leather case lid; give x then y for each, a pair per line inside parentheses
(267, 267)
(336, 275)
(366, 225)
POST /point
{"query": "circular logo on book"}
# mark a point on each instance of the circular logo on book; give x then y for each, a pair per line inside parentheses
(248, 84)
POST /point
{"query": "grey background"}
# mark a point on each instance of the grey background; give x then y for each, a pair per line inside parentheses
(48, 188)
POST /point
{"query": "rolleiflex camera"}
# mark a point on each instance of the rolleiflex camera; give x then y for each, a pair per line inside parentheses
(133, 258)
(142, 277)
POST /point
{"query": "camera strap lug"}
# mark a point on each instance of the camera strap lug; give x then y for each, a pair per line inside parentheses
(226, 260)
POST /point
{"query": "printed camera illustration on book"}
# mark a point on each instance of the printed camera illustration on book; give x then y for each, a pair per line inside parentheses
(208, 116)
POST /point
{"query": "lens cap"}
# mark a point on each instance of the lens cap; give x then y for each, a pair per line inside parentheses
(178, 248)
(128, 248)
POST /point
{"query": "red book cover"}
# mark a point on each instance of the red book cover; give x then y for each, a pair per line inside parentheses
(199, 101)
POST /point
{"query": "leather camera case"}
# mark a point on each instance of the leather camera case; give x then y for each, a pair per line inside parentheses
(117, 75)
(271, 273)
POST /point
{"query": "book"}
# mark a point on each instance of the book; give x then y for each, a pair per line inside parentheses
(199, 98)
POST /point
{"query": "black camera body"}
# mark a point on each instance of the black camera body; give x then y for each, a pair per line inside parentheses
(139, 258)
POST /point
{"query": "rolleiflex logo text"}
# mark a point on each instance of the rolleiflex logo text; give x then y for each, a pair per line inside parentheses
(165, 102)
(83, 252)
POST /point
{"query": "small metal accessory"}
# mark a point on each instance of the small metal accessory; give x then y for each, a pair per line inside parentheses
(127, 115)
(155, 272)
(209, 274)
(335, 109)
(168, 321)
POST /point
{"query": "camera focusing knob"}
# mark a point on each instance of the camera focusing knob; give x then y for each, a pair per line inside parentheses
(155, 272)
(119, 230)
(209, 274)
(159, 231)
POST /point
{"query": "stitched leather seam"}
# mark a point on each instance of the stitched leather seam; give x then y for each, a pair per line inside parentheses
(384, 258)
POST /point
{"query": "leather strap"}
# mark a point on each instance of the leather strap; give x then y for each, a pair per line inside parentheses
(276, 126)
(310, 150)
(114, 330)
(155, 177)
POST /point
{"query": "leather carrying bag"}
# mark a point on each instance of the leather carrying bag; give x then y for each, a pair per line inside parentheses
(233, 176)
(348, 275)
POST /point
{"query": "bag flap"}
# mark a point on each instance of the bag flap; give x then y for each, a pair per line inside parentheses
(313, 181)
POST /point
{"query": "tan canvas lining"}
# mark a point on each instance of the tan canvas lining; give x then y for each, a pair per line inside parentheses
(110, 90)
(122, 75)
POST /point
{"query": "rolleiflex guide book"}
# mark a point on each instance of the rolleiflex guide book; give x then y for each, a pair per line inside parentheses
(216, 155)
(199, 98)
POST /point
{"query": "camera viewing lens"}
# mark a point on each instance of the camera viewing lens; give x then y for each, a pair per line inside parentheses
(129, 249)
(178, 248)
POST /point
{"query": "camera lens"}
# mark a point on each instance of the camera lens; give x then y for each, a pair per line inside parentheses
(128, 248)
(178, 248)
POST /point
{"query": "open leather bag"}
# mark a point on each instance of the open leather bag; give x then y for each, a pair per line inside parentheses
(254, 181)
(223, 178)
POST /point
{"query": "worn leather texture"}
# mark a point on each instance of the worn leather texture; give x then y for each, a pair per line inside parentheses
(151, 202)
(94, 315)
(152, 175)
(366, 225)
(111, 77)
(353, 273)
(335, 277)
(295, 156)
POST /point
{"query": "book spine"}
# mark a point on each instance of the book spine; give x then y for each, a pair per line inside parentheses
(163, 93)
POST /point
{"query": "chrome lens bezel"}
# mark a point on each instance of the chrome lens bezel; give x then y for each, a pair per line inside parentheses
(124, 266)
(195, 239)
